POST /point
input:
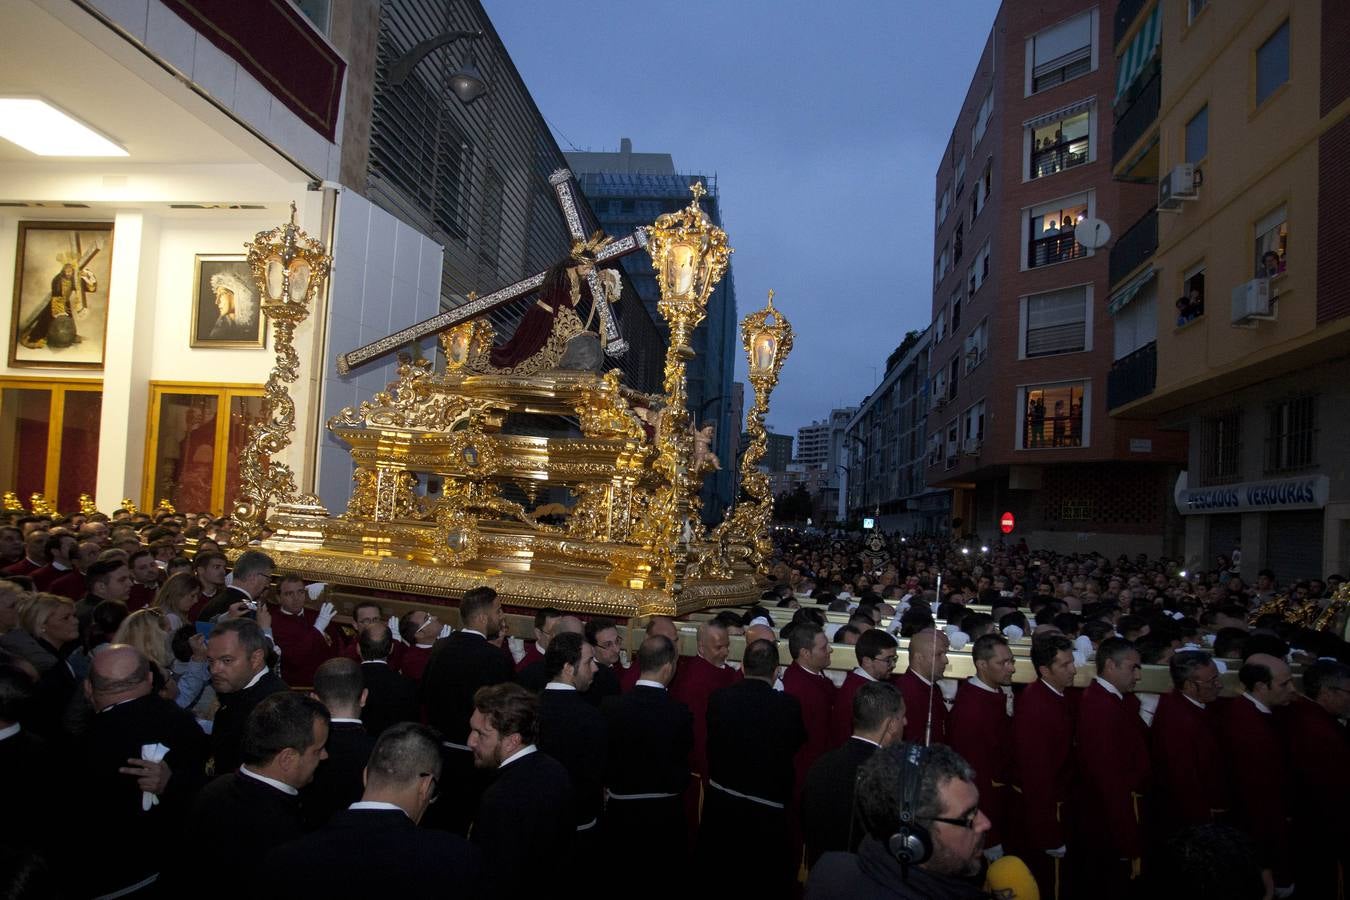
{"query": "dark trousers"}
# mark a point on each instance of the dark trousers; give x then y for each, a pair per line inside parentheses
(752, 832)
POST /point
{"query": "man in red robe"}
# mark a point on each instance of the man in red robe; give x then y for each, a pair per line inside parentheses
(925, 709)
(877, 652)
(210, 568)
(695, 680)
(980, 729)
(364, 614)
(1043, 731)
(1319, 754)
(806, 680)
(1113, 769)
(418, 630)
(544, 621)
(306, 637)
(1258, 767)
(34, 554)
(145, 575)
(1188, 768)
(61, 553)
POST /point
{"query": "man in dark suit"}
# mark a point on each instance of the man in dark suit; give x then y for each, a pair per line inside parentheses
(572, 731)
(247, 813)
(754, 733)
(525, 820)
(650, 737)
(27, 769)
(236, 654)
(829, 809)
(397, 859)
(249, 581)
(391, 696)
(138, 803)
(462, 664)
(603, 636)
(338, 781)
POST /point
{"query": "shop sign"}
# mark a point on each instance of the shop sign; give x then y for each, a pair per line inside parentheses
(1279, 494)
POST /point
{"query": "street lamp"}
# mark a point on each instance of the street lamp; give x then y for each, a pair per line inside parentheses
(467, 83)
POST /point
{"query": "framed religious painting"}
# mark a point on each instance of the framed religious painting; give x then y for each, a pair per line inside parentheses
(225, 299)
(62, 273)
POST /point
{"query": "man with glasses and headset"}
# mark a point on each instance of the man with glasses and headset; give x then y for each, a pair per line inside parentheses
(397, 858)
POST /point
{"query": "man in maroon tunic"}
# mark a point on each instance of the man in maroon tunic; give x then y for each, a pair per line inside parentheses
(1043, 731)
(695, 680)
(1113, 769)
(876, 651)
(1319, 754)
(210, 568)
(306, 637)
(145, 579)
(1188, 770)
(544, 621)
(418, 630)
(925, 710)
(806, 680)
(657, 626)
(1258, 768)
(364, 614)
(34, 554)
(980, 729)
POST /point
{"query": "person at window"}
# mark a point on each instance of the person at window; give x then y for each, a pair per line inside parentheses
(1272, 264)
(1037, 422)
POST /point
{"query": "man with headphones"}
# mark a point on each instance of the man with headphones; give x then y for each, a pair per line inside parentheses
(925, 832)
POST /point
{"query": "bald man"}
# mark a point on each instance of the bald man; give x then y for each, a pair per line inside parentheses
(1258, 770)
(112, 783)
(926, 711)
(760, 633)
(657, 626)
(535, 675)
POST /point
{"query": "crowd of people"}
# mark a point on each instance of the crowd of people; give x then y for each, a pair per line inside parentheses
(184, 727)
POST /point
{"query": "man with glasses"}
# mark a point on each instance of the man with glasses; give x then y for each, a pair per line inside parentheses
(980, 729)
(419, 631)
(365, 614)
(397, 859)
(1188, 782)
(946, 805)
(877, 652)
(603, 636)
(1320, 757)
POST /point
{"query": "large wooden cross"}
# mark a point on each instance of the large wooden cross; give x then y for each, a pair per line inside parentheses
(615, 345)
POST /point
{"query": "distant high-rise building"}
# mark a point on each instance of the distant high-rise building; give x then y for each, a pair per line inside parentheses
(626, 190)
(778, 453)
(820, 449)
(813, 444)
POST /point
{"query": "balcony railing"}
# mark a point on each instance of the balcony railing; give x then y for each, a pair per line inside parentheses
(1126, 13)
(1134, 119)
(1058, 157)
(1133, 376)
(1053, 249)
(1042, 433)
(1133, 247)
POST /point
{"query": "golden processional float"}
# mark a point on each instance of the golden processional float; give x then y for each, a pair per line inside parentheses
(539, 475)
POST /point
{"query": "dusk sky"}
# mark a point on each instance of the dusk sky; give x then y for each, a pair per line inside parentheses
(824, 124)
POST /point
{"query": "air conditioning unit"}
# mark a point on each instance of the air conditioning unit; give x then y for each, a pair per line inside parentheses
(1251, 300)
(1177, 186)
(972, 446)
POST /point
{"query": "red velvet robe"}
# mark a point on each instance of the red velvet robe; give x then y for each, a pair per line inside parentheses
(815, 692)
(628, 677)
(1113, 769)
(24, 566)
(203, 601)
(980, 729)
(921, 701)
(1258, 776)
(303, 648)
(141, 596)
(1188, 769)
(43, 577)
(413, 661)
(532, 655)
(841, 717)
(1043, 731)
(695, 680)
(69, 584)
(1319, 756)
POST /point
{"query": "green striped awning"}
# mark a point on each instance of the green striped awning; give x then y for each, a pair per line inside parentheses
(1140, 51)
(1121, 298)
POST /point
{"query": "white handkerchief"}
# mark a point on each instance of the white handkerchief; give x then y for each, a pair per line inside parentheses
(151, 753)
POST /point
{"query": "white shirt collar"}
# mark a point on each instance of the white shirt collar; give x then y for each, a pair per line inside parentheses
(60, 568)
(1257, 703)
(281, 609)
(1110, 688)
(708, 661)
(1194, 701)
(279, 785)
(523, 751)
(975, 681)
(242, 591)
(926, 682)
(256, 678)
(378, 662)
(809, 672)
(1053, 689)
(647, 682)
(424, 646)
(862, 673)
(559, 686)
(474, 631)
(376, 804)
(351, 721)
(859, 737)
(10, 731)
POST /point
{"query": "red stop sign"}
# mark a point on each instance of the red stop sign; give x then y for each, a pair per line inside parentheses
(1006, 523)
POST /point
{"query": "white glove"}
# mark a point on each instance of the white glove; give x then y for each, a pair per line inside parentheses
(315, 589)
(958, 640)
(1283, 892)
(517, 648)
(1013, 633)
(1079, 659)
(1083, 644)
(1058, 852)
(994, 852)
(1220, 665)
(326, 613)
(445, 633)
(152, 753)
(393, 629)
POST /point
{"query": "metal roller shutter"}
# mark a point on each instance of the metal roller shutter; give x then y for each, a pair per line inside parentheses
(1294, 545)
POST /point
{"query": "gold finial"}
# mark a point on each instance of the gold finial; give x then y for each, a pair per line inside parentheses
(770, 298)
(698, 191)
(472, 296)
(293, 213)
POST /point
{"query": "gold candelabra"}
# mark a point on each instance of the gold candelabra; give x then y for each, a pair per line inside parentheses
(289, 267)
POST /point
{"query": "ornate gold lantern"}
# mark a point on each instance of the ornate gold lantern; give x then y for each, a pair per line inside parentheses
(690, 255)
(768, 338)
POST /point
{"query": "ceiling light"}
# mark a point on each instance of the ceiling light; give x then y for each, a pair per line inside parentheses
(41, 128)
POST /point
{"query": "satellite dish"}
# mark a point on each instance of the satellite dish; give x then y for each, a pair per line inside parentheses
(1092, 233)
